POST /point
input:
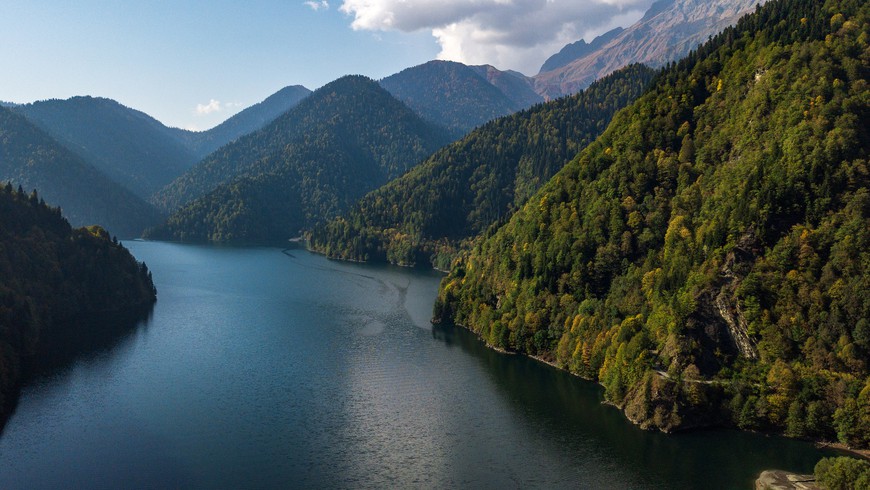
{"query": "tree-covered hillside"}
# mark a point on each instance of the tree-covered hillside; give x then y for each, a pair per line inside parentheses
(471, 184)
(201, 143)
(50, 272)
(310, 164)
(31, 158)
(128, 146)
(454, 95)
(707, 259)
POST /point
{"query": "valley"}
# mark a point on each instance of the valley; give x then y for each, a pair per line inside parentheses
(675, 210)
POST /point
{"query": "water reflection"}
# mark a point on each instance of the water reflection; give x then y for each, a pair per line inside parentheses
(571, 412)
(264, 370)
(64, 344)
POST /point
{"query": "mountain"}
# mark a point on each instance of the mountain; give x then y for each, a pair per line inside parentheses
(667, 32)
(52, 273)
(130, 147)
(247, 121)
(424, 215)
(707, 258)
(457, 96)
(31, 158)
(311, 163)
(578, 50)
(517, 87)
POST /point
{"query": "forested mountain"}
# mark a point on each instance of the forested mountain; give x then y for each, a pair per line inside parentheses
(310, 164)
(50, 273)
(31, 158)
(201, 143)
(130, 147)
(707, 259)
(457, 96)
(667, 32)
(471, 184)
(517, 87)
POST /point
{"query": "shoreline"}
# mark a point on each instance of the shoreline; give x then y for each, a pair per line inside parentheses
(859, 453)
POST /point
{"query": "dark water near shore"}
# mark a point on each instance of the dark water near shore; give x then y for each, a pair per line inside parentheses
(258, 369)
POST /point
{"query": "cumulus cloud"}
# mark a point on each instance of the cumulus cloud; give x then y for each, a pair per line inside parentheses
(317, 5)
(516, 34)
(215, 106)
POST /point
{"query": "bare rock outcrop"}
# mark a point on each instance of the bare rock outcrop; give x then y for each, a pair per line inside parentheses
(782, 480)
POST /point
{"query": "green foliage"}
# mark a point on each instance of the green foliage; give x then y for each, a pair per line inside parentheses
(51, 272)
(31, 158)
(843, 473)
(726, 216)
(310, 164)
(428, 214)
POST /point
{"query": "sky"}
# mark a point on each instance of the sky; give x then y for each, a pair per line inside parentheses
(192, 64)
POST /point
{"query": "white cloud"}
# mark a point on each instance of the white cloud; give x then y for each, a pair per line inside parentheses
(214, 106)
(317, 5)
(516, 34)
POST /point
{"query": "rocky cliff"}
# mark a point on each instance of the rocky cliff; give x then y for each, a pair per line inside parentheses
(667, 32)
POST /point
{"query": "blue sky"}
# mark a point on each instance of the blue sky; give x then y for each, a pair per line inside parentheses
(192, 64)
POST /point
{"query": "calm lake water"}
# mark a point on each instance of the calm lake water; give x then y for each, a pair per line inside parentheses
(260, 369)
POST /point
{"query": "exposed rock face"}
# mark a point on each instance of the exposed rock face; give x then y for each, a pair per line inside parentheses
(667, 32)
(726, 302)
(781, 480)
(718, 324)
(578, 50)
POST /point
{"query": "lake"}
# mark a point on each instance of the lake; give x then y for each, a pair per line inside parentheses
(259, 368)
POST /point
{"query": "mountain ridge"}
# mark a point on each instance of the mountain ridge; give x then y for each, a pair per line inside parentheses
(246, 121)
(312, 162)
(425, 215)
(130, 147)
(669, 30)
(33, 159)
(457, 96)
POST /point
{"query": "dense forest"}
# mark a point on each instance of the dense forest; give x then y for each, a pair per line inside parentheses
(31, 158)
(310, 164)
(707, 259)
(128, 146)
(451, 94)
(50, 272)
(421, 217)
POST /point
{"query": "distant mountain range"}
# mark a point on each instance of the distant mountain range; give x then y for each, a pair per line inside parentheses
(466, 187)
(310, 164)
(460, 97)
(667, 32)
(33, 159)
(201, 143)
(130, 147)
(115, 144)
